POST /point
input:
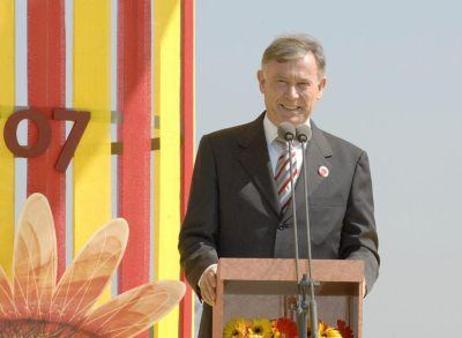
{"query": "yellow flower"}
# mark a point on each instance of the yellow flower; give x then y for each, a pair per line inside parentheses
(34, 305)
(324, 331)
(236, 328)
(261, 328)
(327, 331)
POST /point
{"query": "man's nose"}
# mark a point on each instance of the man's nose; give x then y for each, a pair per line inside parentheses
(292, 92)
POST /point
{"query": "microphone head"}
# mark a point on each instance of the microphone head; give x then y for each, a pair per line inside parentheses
(286, 131)
(303, 133)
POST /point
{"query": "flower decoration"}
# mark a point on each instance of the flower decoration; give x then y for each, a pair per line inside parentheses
(285, 328)
(34, 305)
(280, 328)
(344, 329)
(236, 328)
(325, 330)
(261, 328)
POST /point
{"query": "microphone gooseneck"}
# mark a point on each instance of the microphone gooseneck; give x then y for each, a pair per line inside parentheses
(303, 135)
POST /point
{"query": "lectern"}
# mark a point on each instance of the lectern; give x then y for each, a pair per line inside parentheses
(267, 288)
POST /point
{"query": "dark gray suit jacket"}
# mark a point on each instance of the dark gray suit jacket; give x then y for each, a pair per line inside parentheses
(234, 212)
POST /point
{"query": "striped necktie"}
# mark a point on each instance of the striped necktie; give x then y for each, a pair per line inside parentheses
(282, 175)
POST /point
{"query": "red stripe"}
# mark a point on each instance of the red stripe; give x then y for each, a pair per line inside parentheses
(284, 185)
(286, 174)
(281, 156)
(281, 169)
(187, 149)
(134, 101)
(284, 165)
(46, 90)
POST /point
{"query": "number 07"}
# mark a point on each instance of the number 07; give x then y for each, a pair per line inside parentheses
(80, 118)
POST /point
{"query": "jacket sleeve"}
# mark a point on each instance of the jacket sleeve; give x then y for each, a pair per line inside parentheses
(359, 239)
(197, 240)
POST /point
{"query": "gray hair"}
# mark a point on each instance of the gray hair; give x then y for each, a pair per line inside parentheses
(291, 47)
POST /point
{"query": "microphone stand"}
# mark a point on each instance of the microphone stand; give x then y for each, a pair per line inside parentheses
(301, 302)
(305, 283)
(286, 130)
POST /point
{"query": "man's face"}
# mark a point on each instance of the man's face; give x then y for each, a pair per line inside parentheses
(291, 89)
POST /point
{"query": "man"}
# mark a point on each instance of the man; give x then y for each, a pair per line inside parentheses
(236, 208)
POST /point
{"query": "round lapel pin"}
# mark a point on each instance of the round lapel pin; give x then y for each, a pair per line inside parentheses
(323, 171)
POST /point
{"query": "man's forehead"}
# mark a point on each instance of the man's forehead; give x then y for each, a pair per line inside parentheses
(285, 69)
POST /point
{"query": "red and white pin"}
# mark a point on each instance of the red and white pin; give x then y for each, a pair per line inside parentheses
(323, 171)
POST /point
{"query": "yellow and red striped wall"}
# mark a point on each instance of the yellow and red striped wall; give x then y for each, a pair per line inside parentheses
(148, 133)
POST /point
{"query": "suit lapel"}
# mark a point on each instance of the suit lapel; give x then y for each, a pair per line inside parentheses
(255, 159)
(316, 154)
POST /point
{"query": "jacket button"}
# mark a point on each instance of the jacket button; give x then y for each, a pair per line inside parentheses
(282, 226)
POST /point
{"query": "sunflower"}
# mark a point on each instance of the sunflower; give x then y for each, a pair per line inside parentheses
(236, 328)
(260, 328)
(285, 328)
(33, 305)
(325, 331)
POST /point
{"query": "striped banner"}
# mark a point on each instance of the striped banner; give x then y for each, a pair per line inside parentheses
(155, 116)
(167, 174)
(187, 146)
(134, 133)
(7, 102)
(91, 84)
(46, 82)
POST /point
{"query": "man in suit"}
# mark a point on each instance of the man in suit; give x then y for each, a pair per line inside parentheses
(235, 205)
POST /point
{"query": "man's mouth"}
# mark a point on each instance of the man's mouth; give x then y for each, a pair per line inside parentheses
(290, 108)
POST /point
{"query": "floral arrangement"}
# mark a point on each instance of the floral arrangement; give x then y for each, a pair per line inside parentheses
(280, 328)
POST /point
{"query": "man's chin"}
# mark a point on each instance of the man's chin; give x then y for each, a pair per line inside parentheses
(296, 120)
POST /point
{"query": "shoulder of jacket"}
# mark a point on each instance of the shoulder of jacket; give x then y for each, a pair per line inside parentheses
(337, 143)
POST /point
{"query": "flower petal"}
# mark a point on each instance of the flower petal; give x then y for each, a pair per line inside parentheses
(135, 310)
(6, 297)
(85, 279)
(35, 260)
(333, 333)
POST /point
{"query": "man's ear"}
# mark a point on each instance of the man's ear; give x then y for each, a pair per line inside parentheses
(261, 81)
(321, 86)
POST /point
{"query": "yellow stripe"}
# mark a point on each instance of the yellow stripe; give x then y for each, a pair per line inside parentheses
(92, 161)
(167, 57)
(7, 101)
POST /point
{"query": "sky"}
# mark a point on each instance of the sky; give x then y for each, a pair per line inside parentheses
(394, 70)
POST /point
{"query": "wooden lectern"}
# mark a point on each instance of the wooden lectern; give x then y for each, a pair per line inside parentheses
(265, 288)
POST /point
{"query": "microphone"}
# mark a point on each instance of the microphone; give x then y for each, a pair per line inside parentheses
(303, 135)
(286, 131)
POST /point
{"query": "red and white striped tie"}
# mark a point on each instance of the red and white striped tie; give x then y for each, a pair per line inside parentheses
(282, 176)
